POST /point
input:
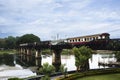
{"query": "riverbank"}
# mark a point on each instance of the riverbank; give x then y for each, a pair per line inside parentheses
(115, 76)
(103, 51)
(10, 51)
(79, 75)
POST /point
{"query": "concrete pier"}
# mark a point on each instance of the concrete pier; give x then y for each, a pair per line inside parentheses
(56, 61)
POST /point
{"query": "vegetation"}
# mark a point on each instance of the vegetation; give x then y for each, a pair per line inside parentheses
(45, 78)
(8, 43)
(63, 70)
(79, 75)
(15, 79)
(12, 42)
(46, 51)
(117, 55)
(82, 55)
(102, 77)
(67, 52)
(10, 51)
(47, 70)
(28, 38)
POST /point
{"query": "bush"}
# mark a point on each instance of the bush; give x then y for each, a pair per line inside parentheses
(45, 78)
(15, 79)
(90, 73)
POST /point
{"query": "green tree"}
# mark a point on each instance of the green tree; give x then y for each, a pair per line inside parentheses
(82, 55)
(10, 42)
(45, 78)
(117, 55)
(27, 38)
(15, 79)
(63, 70)
(47, 69)
(2, 43)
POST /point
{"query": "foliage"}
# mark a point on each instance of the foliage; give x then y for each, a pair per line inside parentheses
(63, 70)
(2, 43)
(45, 78)
(114, 45)
(46, 51)
(15, 79)
(66, 52)
(10, 51)
(10, 42)
(82, 55)
(28, 38)
(102, 77)
(117, 55)
(77, 75)
(47, 69)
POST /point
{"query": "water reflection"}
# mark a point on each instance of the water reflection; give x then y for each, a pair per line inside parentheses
(69, 61)
(31, 63)
(10, 67)
(7, 59)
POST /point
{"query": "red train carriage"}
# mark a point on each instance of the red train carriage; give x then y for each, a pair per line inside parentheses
(90, 40)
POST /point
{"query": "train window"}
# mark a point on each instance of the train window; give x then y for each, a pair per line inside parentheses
(103, 37)
(99, 37)
(85, 39)
(73, 40)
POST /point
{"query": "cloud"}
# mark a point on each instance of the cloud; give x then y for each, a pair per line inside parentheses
(46, 18)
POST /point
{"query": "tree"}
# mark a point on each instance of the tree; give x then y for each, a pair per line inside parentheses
(10, 42)
(63, 70)
(117, 55)
(47, 70)
(2, 43)
(45, 78)
(28, 38)
(82, 55)
(15, 79)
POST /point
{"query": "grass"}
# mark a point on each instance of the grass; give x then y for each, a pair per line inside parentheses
(7, 51)
(102, 77)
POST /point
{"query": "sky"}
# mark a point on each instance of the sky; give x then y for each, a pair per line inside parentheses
(66, 18)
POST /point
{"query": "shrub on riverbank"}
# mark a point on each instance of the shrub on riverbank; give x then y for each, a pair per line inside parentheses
(90, 73)
(15, 79)
(11, 51)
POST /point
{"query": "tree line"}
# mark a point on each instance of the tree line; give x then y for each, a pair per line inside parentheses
(12, 42)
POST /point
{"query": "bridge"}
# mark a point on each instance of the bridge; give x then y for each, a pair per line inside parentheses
(26, 49)
(97, 44)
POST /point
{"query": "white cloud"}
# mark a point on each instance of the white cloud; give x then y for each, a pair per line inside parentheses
(66, 17)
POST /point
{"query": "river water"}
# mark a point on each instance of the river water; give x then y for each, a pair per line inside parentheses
(11, 66)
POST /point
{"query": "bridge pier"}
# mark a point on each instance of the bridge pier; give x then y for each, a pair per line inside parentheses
(38, 54)
(29, 51)
(20, 51)
(38, 57)
(56, 58)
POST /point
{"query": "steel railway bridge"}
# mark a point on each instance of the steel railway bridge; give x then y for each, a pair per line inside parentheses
(96, 44)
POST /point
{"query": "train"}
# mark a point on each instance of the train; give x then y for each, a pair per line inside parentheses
(82, 40)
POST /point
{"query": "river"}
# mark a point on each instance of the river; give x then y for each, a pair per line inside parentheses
(11, 66)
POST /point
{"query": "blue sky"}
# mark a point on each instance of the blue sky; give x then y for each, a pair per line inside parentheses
(68, 18)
